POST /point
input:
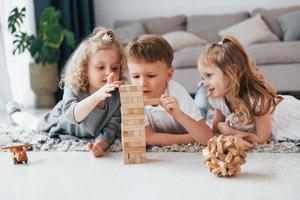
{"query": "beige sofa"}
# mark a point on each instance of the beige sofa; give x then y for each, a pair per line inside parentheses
(279, 61)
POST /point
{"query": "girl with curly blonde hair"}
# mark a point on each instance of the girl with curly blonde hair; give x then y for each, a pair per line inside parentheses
(90, 107)
(244, 103)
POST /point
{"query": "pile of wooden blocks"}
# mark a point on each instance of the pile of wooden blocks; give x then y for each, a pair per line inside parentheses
(223, 156)
(133, 125)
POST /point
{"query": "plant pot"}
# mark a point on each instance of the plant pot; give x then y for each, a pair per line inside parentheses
(44, 81)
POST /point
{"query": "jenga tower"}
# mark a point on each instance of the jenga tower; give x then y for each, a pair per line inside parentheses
(133, 125)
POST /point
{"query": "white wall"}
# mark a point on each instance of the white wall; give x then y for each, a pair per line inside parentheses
(107, 11)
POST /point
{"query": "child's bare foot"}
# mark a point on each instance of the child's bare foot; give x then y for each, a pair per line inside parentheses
(98, 148)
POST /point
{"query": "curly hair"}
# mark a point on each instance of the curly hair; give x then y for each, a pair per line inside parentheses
(248, 94)
(74, 74)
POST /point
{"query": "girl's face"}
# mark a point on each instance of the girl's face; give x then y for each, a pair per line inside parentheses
(214, 80)
(100, 65)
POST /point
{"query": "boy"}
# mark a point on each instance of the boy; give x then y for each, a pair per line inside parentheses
(149, 60)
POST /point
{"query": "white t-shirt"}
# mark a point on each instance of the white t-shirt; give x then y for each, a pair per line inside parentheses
(161, 121)
(285, 118)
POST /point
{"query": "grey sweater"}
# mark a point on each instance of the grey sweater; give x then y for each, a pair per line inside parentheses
(101, 124)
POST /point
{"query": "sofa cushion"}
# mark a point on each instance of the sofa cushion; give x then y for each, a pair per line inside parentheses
(275, 52)
(290, 25)
(158, 25)
(263, 53)
(252, 30)
(208, 26)
(188, 57)
(129, 32)
(182, 39)
(270, 17)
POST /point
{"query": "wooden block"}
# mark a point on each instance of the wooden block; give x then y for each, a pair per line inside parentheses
(131, 94)
(233, 151)
(221, 163)
(155, 101)
(220, 147)
(143, 155)
(135, 150)
(238, 160)
(144, 160)
(133, 116)
(125, 155)
(131, 122)
(129, 88)
(229, 157)
(132, 105)
(133, 133)
(131, 161)
(216, 171)
(220, 155)
(134, 139)
(227, 145)
(125, 111)
(134, 144)
(133, 127)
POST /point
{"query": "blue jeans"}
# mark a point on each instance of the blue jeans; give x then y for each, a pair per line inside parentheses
(201, 101)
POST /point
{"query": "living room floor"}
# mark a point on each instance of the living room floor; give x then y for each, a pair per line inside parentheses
(78, 175)
(171, 175)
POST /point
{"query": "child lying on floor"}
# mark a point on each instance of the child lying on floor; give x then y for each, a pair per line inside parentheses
(244, 103)
(90, 107)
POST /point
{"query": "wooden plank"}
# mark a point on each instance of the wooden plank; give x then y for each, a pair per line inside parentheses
(135, 150)
(155, 101)
(131, 111)
(134, 139)
(131, 94)
(132, 105)
(133, 128)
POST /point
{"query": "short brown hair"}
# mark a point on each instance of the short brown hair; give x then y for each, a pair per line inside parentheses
(150, 48)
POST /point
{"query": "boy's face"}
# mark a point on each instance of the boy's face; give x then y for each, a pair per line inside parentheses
(100, 65)
(153, 77)
(214, 80)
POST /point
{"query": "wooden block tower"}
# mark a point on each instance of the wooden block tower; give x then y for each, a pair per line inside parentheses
(133, 125)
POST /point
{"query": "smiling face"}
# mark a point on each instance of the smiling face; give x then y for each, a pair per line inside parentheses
(214, 79)
(100, 65)
(153, 77)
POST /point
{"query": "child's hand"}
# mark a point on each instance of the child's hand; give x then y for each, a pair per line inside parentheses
(171, 105)
(244, 143)
(111, 85)
(224, 128)
(98, 148)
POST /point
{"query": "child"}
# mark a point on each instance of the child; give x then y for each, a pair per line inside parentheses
(149, 60)
(245, 104)
(90, 107)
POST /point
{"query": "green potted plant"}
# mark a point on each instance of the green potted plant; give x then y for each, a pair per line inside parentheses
(44, 48)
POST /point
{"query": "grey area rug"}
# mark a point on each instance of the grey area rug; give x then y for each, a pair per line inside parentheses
(13, 135)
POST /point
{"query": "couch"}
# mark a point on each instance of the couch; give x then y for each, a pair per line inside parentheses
(278, 60)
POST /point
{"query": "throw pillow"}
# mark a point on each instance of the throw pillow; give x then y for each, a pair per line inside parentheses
(129, 32)
(253, 30)
(182, 39)
(290, 25)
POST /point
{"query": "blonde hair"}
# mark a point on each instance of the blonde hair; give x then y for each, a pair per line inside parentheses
(248, 94)
(74, 75)
(150, 48)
